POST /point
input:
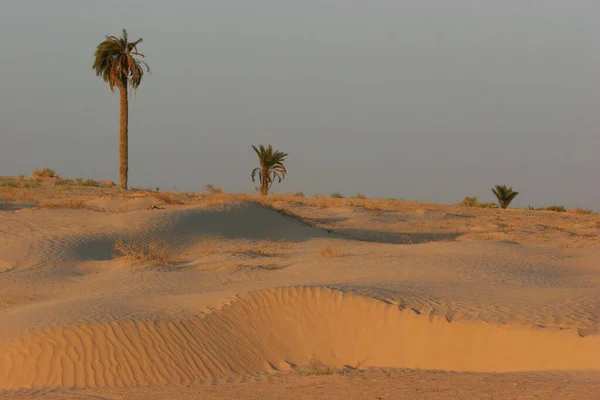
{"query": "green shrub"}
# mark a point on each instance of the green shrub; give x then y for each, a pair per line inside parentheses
(360, 196)
(337, 195)
(299, 194)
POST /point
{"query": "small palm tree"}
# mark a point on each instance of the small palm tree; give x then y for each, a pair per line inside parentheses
(504, 195)
(119, 63)
(271, 167)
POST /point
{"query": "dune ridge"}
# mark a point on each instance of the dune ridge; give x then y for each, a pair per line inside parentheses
(277, 329)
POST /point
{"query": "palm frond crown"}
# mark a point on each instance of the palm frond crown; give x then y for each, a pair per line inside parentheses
(119, 63)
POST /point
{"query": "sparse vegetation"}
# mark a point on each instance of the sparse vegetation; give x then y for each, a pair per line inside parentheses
(71, 203)
(121, 65)
(505, 195)
(87, 182)
(336, 195)
(271, 167)
(554, 208)
(156, 252)
(265, 248)
(299, 194)
(331, 251)
(21, 184)
(582, 211)
(44, 173)
(359, 196)
(473, 202)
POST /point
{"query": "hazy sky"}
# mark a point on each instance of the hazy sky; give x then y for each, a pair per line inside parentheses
(425, 100)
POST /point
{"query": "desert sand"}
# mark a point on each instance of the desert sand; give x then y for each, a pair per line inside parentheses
(290, 297)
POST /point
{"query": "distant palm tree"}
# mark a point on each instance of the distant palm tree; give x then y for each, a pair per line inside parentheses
(504, 195)
(271, 167)
(119, 63)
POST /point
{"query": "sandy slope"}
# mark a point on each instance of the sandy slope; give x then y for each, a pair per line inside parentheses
(71, 316)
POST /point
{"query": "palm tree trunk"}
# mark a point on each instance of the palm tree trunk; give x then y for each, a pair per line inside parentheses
(264, 185)
(124, 137)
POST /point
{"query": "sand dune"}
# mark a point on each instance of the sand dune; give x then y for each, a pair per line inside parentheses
(276, 329)
(71, 316)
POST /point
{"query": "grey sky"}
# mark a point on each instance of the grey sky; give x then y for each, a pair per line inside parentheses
(425, 100)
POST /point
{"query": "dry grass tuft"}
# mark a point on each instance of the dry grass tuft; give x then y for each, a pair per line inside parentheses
(270, 266)
(155, 252)
(211, 189)
(72, 203)
(331, 251)
(582, 211)
(86, 182)
(265, 248)
(554, 208)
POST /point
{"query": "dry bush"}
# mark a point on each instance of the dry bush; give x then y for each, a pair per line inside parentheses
(406, 239)
(155, 252)
(212, 189)
(331, 251)
(469, 202)
(282, 244)
(44, 173)
(168, 198)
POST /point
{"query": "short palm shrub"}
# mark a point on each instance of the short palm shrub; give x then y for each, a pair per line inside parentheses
(504, 194)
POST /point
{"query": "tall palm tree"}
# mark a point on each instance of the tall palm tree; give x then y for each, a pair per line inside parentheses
(504, 195)
(271, 167)
(120, 64)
